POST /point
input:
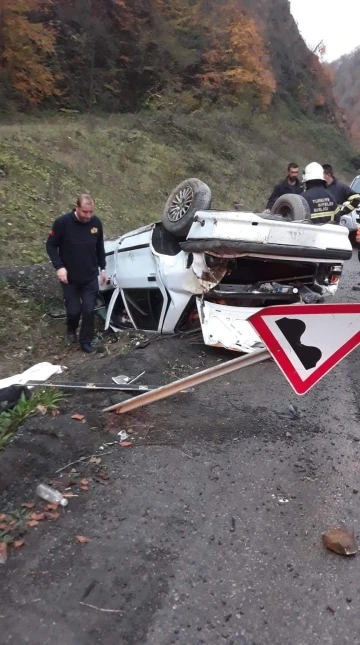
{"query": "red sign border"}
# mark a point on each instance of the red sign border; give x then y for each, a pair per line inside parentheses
(302, 387)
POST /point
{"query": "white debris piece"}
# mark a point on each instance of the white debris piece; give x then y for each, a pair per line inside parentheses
(38, 372)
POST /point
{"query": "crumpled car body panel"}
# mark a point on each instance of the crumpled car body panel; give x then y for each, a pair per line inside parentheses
(229, 266)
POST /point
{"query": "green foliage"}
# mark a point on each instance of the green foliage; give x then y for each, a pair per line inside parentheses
(40, 401)
(130, 163)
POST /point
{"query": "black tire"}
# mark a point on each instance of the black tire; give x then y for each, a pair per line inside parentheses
(190, 196)
(292, 208)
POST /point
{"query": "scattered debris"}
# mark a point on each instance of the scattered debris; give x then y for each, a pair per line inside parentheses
(280, 500)
(103, 475)
(51, 507)
(81, 539)
(29, 505)
(126, 444)
(195, 379)
(123, 435)
(3, 552)
(291, 412)
(39, 517)
(110, 611)
(331, 609)
(92, 460)
(122, 387)
(121, 380)
(52, 516)
(341, 541)
(41, 408)
(32, 523)
(78, 417)
(51, 495)
(41, 372)
(288, 435)
(18, 544)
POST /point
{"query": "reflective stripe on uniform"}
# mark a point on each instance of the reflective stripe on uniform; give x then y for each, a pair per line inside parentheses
(329, 214)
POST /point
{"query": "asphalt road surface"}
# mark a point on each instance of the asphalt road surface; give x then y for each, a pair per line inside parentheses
(209, 531)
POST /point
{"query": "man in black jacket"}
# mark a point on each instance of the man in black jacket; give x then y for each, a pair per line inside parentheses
(291, 184)
(321, 201)
(76, 249)
(341, 191)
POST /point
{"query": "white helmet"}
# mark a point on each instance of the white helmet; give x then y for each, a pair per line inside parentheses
(313, 171)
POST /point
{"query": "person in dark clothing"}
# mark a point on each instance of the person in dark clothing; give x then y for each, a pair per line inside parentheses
(291, 184)
(341, 191)
(321, 201)
(75, 247)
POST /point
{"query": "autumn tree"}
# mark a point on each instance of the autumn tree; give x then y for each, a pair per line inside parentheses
(235, 62)
(27, 42)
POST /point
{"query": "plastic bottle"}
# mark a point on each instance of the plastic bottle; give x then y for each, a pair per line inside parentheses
(51, 495)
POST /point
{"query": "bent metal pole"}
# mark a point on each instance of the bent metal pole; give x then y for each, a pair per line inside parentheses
(189, 381)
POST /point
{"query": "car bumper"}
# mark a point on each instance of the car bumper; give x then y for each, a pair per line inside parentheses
(228, 327)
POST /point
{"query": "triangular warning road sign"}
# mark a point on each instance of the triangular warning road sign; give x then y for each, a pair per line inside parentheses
(307, 341)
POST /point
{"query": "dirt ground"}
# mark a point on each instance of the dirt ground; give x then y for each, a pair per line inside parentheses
(207, 529)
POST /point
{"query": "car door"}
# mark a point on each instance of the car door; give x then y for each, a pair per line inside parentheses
(139, 282)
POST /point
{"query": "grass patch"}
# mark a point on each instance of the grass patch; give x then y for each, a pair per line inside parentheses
(40, 402)
(130, 163)
(26, 335)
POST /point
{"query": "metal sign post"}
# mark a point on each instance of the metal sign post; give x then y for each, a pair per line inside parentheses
(189, 381)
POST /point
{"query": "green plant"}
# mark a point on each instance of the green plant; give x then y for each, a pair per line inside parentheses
(41, 401)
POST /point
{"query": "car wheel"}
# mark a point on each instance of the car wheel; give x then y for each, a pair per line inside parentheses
(292, 208)
(190, 196)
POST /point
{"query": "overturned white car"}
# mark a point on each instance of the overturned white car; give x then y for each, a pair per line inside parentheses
(216, 268)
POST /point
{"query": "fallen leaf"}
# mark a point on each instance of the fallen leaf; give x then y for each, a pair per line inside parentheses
(3, 526)
(28, 504)
(126, 444)
(129, 430)
(52, 516)
(12, 525)
(3, 552)
(84, 482)
(103, 474)
(51, 507)
(18, 543)
(95, 460)
(341, 541)
(81, 539)
(2, 517)
(83, 420)
(41, 409)
(38, 516)
(32, 523)
(84, 488)
(78, 417)
(54, 413)
(73, 470)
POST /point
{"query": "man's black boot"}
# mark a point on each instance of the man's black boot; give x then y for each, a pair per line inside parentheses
(72, 336)
(86, 347)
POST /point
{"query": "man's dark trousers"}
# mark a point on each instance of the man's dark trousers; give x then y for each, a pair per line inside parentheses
(80, 300)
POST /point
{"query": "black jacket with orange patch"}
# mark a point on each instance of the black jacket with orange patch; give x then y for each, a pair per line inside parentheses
(77, 246)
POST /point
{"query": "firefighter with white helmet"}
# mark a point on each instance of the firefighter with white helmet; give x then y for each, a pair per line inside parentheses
(321, 201)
